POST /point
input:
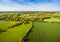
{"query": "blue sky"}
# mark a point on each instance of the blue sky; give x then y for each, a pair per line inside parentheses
(29, 5)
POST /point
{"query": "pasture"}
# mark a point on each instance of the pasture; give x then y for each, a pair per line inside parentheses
(44, 32)
(52, 20)
(18, 26)
(7, 24)
(15, 34)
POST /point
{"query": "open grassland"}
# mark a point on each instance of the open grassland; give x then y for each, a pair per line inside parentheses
(45, 32)
(52, 20)
(7, 24)
(15, 34)
(18, 27)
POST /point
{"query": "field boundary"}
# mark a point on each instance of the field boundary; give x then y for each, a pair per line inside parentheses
(23, 38)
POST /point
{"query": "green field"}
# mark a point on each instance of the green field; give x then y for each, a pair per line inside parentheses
(52, 20)
(6, 24)
(15, 34)
(29, 26)
(45, 32)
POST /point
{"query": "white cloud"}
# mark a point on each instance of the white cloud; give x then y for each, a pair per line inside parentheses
(40, 7)
(12, 6)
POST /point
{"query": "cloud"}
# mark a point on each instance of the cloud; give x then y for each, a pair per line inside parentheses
(8, 5)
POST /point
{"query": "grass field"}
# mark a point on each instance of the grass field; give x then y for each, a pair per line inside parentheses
(52, 20)
(6, 24)
(45, 32)
(15, 34)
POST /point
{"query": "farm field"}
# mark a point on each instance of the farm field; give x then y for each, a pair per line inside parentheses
(45, 32)
(52, 20)
(29, 26)
(15, 34)
(6, 24)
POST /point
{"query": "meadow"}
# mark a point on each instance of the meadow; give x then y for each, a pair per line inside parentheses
(7, 24)
(45, 32)
(15, 34)
(52, 20)
(29, 26)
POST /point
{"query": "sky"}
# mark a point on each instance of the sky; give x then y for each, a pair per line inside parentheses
(29, 5)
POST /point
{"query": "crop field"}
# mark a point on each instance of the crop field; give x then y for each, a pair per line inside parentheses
(15, 34)
(44, 32)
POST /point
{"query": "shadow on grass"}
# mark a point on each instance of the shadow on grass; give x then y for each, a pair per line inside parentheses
(1, 31)
(27, 35)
